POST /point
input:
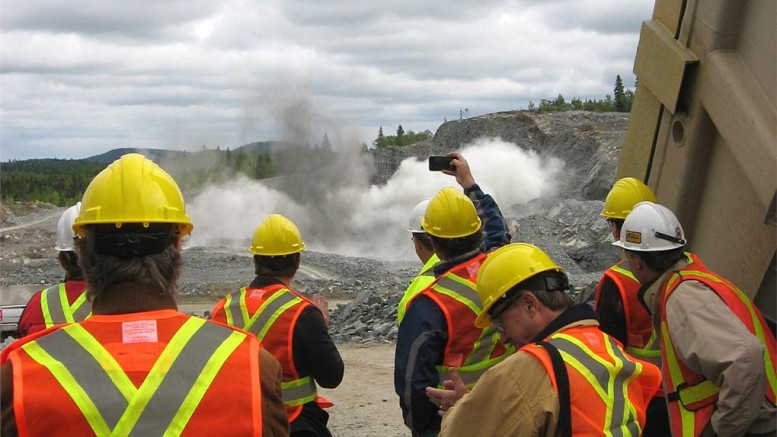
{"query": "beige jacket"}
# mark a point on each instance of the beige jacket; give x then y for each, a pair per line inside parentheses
(711, 340)
(513, 398)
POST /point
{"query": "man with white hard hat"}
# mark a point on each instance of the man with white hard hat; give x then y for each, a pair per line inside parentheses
(718, 356)
(64, 302)
(423, 249)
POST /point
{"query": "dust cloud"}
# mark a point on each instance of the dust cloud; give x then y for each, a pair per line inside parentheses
(327, 194)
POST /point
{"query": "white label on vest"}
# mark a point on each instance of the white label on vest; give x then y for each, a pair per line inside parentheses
(256, 294)
(139, 331)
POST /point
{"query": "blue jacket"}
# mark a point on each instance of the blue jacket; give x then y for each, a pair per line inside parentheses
(423, 333)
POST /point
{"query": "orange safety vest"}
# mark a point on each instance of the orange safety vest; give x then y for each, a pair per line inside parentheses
(608, 390)
(271, 313)
(152, 373)
(691, 396)
(56, 307)
(642, 340)
(470, 349)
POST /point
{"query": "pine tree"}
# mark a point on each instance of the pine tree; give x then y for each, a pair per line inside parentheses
(380, 142)
(400, 140)
(621, 102)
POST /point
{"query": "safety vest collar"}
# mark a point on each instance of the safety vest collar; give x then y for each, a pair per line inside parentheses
(260, 321)
(56, 307)
(459, 288)
(427, 269)
(621, 269)
(110, 403)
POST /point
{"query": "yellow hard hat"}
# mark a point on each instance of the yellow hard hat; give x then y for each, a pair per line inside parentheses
(626, 193)
(450, 214)
(506, 267)
(276, 236)
(133, 189)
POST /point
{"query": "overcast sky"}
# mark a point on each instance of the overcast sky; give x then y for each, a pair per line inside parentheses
(81, 78)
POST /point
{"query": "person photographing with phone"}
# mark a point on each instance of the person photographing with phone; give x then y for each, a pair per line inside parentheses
(438, 330)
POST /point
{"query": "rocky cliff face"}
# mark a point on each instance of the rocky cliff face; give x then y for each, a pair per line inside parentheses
(588, 142)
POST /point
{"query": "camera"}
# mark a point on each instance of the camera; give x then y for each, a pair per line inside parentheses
(440, 163)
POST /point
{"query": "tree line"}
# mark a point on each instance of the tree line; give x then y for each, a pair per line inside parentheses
(58, 181)
(620, 101)
(62, 182)
(401, 138)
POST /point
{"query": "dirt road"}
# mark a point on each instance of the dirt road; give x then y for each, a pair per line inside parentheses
(365, 402)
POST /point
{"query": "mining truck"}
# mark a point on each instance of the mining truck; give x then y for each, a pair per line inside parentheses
(703, 132)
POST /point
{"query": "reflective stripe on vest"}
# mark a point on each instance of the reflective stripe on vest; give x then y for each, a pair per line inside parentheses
(167, 398)
(57, 309)
(299, 392)
(424, 279)
(295, 392)
(235, 309)
(478, 361)
(609, 380)
(624, 272)
(697, 395)
(263, 318)
(650, 353)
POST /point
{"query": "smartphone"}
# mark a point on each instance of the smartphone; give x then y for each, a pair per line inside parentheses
(440, 163)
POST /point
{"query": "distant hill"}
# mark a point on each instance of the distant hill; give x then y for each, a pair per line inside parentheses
(260, 146)
(161, 155)
(153, 154)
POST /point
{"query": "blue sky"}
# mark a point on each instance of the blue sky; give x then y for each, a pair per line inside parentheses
(80, 80)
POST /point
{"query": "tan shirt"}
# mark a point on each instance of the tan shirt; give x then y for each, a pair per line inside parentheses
(513, 398)
(711, 340)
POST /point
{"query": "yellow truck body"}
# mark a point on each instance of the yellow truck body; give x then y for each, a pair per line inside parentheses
(703, 132)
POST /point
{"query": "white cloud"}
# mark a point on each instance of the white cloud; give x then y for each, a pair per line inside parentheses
(79, 80)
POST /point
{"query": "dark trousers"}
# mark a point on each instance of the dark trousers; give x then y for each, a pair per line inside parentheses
(657, 419)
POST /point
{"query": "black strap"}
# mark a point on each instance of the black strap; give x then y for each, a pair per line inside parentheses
(562, 385)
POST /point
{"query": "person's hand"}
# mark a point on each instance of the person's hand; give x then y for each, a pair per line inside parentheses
(453, 390)
(463, 173)
(320, 301)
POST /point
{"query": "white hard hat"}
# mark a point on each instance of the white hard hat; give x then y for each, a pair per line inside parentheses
(65, 233)
(651, 227)
(416, 216)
